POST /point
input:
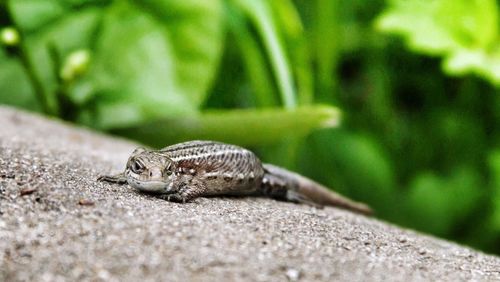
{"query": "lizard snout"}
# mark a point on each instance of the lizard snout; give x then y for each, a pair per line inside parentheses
(155, 173)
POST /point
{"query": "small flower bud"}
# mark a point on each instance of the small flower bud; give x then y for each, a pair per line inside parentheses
(75, 65)
(9, 36)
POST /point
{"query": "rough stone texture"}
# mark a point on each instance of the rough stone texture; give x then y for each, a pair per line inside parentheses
(57, 223)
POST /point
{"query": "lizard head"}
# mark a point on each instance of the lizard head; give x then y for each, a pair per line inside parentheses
(150, 171)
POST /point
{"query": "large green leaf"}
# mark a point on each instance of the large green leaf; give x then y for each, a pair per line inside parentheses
(155, 59)
(463, 32)
(244, 127)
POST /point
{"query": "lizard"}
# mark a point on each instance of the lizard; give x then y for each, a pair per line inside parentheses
(185, 171)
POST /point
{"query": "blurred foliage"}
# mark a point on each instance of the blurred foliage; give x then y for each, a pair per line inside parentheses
(419, 144)
(464, 32)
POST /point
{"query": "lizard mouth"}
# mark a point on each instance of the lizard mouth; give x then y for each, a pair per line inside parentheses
(153, 186)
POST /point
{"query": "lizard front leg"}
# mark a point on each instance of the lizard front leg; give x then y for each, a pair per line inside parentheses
(118, 178)
(186, 192)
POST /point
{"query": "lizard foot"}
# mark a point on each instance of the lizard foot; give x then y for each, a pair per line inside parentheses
(176, 197)
(119, 178)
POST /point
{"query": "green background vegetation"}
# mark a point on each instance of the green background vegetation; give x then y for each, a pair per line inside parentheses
(412, 83)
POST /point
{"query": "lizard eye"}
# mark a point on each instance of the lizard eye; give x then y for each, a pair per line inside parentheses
(137, 167)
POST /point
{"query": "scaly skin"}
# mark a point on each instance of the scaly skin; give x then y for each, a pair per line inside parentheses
(194, 169)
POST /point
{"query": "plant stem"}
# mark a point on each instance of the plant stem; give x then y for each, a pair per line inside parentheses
(23, 54)
(326, 45)
(35, 80)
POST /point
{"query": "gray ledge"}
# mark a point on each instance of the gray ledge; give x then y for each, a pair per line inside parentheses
(58, 223)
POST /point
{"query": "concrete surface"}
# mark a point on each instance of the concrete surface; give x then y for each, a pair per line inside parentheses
(57, 223)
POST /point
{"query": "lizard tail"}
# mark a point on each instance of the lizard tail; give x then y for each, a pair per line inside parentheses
(287, 185)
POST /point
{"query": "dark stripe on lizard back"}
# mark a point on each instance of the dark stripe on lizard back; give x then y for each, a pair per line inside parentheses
(189, 145)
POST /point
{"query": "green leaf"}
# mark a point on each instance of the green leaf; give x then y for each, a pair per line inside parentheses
(244, 127)
(326, 42)
(485, 64)
(254, 59)
(463, 32)
(298, 48)
(260, 14)
(30, 15)
(155, 59)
